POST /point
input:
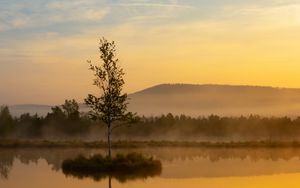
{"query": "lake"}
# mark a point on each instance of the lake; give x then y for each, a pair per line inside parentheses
(182, 167)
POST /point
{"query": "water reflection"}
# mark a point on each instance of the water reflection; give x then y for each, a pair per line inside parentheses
(177, 162)
(5, 166)
(121, 177)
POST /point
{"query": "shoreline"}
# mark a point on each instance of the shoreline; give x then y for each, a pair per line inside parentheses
(144, 144)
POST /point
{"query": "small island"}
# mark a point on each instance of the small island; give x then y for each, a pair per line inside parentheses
(121, 167)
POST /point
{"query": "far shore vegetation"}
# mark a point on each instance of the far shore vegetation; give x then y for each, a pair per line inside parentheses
(14, 144)
(63, 124)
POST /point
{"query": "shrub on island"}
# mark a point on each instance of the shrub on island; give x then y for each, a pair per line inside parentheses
(122, 167)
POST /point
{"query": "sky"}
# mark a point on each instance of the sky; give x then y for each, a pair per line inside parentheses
(44, 44)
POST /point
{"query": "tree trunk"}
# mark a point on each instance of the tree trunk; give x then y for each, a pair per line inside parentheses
(109, 182)
(109, 141)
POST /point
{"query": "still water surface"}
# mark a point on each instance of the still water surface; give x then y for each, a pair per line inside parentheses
(182, 167)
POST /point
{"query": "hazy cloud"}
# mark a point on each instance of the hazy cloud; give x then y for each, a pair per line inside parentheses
(16, 15)
(19, 14)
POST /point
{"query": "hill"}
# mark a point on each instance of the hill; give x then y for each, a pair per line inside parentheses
(195, 100)
(226, 100)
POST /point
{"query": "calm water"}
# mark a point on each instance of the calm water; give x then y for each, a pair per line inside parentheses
(209, 168)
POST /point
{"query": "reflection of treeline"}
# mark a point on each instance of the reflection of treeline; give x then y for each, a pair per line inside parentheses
(66, 121)
(55, 157)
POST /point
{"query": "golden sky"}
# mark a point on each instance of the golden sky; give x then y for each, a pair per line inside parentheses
(44, 46)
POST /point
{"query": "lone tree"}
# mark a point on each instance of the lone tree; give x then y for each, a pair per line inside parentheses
(111, 106)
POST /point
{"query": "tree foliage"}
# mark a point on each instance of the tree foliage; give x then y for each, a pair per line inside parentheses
(6, 121)
(111, 106)
(71, 109)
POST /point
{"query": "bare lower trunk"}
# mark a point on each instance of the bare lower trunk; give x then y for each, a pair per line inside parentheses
(109, 141)
(109, 182)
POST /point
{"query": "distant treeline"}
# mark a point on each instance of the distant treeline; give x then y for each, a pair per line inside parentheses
(66, 122)
(62, 121)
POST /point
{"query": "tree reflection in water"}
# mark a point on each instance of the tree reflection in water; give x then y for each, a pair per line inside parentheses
(5, 166)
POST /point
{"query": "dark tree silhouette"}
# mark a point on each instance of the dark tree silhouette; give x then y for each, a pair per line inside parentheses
(66, 120)
(71, 109)
(111, 106)
(6, 121)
